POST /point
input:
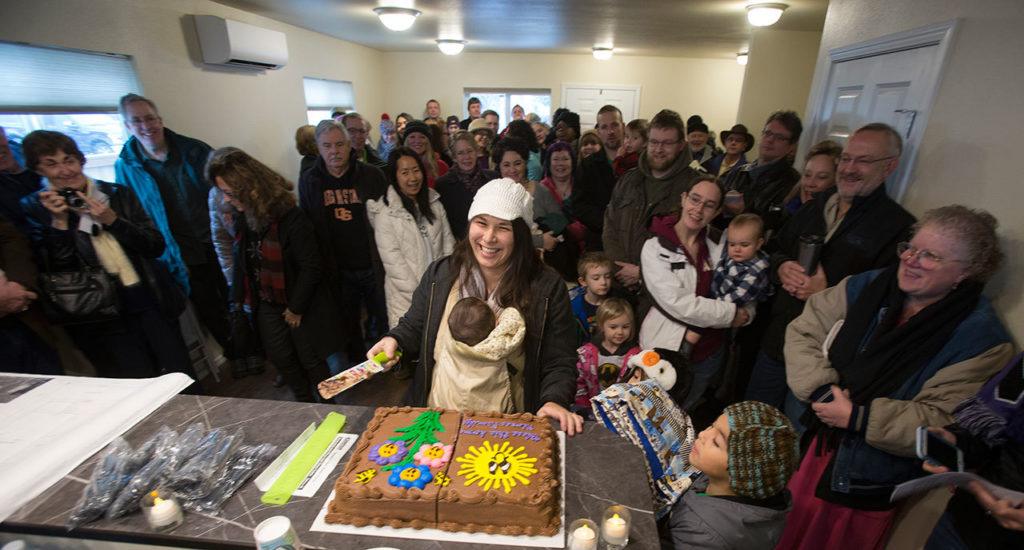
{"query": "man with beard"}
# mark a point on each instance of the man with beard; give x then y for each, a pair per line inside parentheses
(860, 226)
(652, 190)
(334, 193)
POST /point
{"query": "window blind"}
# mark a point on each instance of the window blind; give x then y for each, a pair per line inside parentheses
(323, 94)
(41, 79)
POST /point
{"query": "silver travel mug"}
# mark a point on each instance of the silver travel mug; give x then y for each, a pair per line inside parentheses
(809, 252)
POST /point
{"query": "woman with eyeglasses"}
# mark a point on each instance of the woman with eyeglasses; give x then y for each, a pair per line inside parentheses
(878, 355)
(77, 222)
(678, 265)
(458, 187)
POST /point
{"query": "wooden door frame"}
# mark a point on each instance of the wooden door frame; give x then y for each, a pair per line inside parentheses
(937, 34)
(632, 87)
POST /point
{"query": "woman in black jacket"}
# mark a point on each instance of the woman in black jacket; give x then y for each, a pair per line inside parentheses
(497, 263)
(78, 222)
(278, 272)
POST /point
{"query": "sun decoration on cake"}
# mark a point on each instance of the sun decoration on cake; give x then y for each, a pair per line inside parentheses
(388, 452)
(411, 477)
(494, 466)
(434, 455)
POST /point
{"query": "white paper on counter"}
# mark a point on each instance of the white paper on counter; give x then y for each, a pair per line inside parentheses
(554, 541)
(51, 424)
(959, 479)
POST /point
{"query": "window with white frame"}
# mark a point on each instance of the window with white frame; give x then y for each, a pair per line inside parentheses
(70, 91)
(324, 96)
(502, 101)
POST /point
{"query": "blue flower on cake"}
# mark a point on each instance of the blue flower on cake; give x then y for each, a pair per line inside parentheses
(411, 477)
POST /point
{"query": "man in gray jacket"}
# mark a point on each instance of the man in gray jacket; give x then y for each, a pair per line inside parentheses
(653, 189)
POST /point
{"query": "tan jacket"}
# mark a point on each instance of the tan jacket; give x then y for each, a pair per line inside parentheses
(892, 423)
(476, 378)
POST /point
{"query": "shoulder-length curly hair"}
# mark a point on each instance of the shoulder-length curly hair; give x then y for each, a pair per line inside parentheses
(265, 194)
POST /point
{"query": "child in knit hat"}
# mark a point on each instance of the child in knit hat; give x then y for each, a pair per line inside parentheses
(748, 456)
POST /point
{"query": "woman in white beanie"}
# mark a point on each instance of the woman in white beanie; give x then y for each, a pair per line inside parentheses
(497, 263)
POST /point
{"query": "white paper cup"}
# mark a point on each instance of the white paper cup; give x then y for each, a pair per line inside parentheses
(276, 533)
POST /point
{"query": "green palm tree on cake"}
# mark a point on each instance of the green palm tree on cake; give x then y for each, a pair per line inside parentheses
(420, 432)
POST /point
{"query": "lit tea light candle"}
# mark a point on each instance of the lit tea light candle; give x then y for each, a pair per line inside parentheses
(615, 530)
(162, 512)
(583, 538)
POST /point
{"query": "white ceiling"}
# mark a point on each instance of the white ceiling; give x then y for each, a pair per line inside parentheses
(682, 28)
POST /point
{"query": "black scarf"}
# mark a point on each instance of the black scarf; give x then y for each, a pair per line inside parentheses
(879, 366)
(895, 352)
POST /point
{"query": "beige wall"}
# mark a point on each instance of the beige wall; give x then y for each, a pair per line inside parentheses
(709, 87)
(257, 111)
(779, 72)
(968, 154)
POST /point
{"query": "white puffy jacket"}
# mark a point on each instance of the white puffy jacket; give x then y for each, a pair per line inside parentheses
(671, 280)
(406, 252)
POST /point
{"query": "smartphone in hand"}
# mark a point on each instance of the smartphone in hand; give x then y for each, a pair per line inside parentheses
(936, 450)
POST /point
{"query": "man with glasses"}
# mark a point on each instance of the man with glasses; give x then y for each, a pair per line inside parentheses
(860, 226)
(651, 191)
(167, 172)
(761, 186)
(334, 193)
(357, 132)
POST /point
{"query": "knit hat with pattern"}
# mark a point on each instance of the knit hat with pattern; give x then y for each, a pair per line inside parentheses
(763, 449)
(504, 199)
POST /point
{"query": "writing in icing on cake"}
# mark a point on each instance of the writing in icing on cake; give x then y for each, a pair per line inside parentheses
(496, 429)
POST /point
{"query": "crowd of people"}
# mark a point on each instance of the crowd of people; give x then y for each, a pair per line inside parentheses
(519, 268)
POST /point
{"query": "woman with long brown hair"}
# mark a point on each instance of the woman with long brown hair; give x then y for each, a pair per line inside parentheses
(278, 272)
(498, 264)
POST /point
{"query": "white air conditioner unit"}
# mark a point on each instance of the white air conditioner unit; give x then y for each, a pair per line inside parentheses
(227, 42)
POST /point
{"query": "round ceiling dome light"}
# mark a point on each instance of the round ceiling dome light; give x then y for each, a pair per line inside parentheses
(764, 14)
(451, 47)
(397, 19)
(603, 53)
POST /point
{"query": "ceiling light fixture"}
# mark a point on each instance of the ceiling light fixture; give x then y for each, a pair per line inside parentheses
(763, 14)
(741, 58)
(397, 19)
(450, 47)
(602, 53)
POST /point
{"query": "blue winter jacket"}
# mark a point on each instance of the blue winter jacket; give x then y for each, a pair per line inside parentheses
(131, 171)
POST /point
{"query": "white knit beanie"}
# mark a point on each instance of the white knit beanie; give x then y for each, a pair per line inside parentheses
(504, 199)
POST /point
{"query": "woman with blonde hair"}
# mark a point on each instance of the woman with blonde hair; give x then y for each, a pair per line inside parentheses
(819, 174)
(278, 271)
(418, 138)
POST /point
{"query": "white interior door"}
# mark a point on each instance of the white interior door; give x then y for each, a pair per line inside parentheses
(587, 99)
(894, 88)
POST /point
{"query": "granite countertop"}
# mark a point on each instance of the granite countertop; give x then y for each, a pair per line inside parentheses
(602, 469)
